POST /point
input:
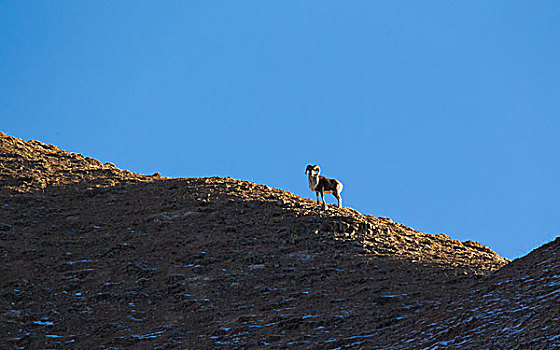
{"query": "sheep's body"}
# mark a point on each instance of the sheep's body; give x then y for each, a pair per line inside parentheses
(322, 185)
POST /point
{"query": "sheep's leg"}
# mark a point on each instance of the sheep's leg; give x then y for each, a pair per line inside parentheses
(317, 192)
(323, 199)
(339, 198)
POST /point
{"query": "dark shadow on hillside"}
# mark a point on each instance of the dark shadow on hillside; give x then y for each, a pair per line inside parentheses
(190, 263)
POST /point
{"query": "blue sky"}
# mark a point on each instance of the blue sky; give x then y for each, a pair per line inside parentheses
(443, 115)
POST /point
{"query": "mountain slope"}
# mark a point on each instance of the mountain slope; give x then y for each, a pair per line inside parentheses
(517, 307)
(97, 256)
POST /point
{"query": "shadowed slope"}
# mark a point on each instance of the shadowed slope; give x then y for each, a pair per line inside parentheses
(96, 255)
(517, 307)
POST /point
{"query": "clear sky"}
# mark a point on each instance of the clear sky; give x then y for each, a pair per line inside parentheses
(443, 115)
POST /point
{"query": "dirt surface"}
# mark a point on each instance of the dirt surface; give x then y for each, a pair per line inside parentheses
(97, 257)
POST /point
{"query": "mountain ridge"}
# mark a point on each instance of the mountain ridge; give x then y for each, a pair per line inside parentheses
(73, 168)
(232, 263)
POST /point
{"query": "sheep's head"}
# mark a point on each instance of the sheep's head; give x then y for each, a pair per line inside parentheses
(313, 169)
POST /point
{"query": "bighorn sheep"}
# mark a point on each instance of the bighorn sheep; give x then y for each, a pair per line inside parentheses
(321, 184)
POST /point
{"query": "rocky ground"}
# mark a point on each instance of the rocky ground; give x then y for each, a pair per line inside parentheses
(97, 257)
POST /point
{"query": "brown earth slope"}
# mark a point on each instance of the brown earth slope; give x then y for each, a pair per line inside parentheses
(519, 306)
(96, 257)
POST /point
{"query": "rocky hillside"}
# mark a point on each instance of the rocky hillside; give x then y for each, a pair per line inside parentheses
(519, 306)
(33, 166)
(97, 257)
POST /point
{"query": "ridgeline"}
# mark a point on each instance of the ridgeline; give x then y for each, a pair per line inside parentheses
(93, 256)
